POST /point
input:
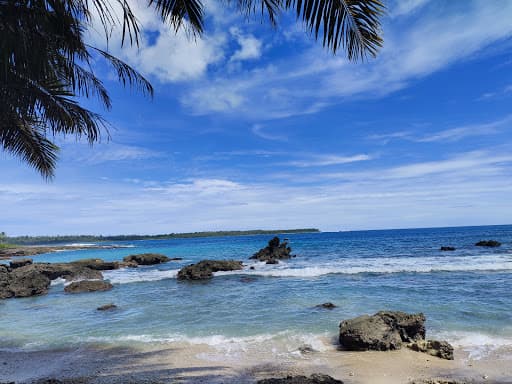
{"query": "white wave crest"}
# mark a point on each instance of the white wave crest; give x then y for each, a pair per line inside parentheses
(479, 345)
(129, 275)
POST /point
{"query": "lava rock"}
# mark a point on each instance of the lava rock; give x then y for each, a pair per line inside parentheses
(147, 259)
(20, 263)
(488, 243)
(313, 379)
(447, 249)
(327, 305)
(382, 331)
(272, 261)
(25, 282)
(275, 250)
(205, 269)
(88, 286)
(441, 349)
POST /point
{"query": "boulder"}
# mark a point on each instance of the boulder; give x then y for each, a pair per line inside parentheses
(275, 250)
(272, 261)
(5, 292)
(444, 249)
(313, 379)
(327, 305)
(382, 331)
(25, 282)
(441, 349)
(205, 268)
(68, 271)
(88, 286)
(147, 259)
(107, 307)
(19, 263)
(488, 243)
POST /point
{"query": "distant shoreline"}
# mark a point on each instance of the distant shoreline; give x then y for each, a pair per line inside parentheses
(39, 240)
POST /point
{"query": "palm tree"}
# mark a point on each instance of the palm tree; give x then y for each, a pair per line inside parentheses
(45, 63)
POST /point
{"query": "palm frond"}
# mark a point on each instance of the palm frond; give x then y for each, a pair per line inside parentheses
(176, 12)
(26, 141)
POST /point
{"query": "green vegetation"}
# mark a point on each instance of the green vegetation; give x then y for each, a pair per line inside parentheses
(32, 240)
(47, 65)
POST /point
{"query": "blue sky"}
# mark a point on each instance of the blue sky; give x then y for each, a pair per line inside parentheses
(253, 127)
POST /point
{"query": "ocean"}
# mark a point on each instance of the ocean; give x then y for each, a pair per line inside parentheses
(466, 295)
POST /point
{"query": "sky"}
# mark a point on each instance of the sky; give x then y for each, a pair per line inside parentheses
(258, 127)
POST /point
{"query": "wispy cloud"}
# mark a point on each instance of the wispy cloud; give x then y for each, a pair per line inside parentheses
(446, 135)
(258, 130)
(326, 160)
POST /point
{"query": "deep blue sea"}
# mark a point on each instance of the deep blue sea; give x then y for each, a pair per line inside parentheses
(466, 295)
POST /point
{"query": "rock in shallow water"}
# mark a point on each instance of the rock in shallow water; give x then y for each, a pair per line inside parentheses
(88, 286)
(381, 332)
(147, 259)
(107, 307)
(488, 243)
(20, 263)
(445, 249)
(205, 269)
(313, 379)
(275, 250)
(327, 305)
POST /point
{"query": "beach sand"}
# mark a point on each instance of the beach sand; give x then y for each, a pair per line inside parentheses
(201, 363)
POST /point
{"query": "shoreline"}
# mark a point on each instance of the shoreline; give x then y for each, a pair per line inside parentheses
(183, 362)
(35, 250)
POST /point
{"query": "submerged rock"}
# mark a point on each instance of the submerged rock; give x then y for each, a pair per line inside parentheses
(88, 286)
(327, 305)
(275, 250)
(313, 379)
(447, 249)
(488, 243)
(441, 349)
(147, 259)
(107, 307)
(205, 268)
(382, 331)
(19, 263)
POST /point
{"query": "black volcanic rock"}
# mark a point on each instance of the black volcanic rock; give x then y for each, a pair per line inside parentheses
(88, 286)
(313, 379)
(147, 259)
(275, 250)
(488, 243)
(205, 269)
(444, 249)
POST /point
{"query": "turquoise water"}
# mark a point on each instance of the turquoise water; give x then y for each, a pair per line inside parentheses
(466, 295)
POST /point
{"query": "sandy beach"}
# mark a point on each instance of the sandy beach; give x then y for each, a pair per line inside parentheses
(201, 363)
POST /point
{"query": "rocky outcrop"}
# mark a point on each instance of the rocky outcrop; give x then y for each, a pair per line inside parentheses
(107, 307)
(205, 269)
(34, 279)
(23, 282)
(88, 286)
(445, 249)
(19, 263)
(98, 264)
(488, 243)
(327, 305)
(275, 250)
(390, 330)
(382, 332)
(313, 379)
(146, 259)
(440, 349)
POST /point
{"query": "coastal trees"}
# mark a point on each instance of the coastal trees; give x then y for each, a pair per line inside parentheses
(45, 62)
(2, 237)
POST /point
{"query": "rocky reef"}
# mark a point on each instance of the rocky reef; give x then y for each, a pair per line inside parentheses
(205, 269)
(274, 251)
(387, 330)
(88, 286)
(23, 278)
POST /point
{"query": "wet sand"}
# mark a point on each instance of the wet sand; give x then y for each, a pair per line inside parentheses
(201, 363)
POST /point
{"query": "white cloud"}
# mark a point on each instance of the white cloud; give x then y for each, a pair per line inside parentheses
(403, 7)
(250, 47)
(311, 80)
(107, 152)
